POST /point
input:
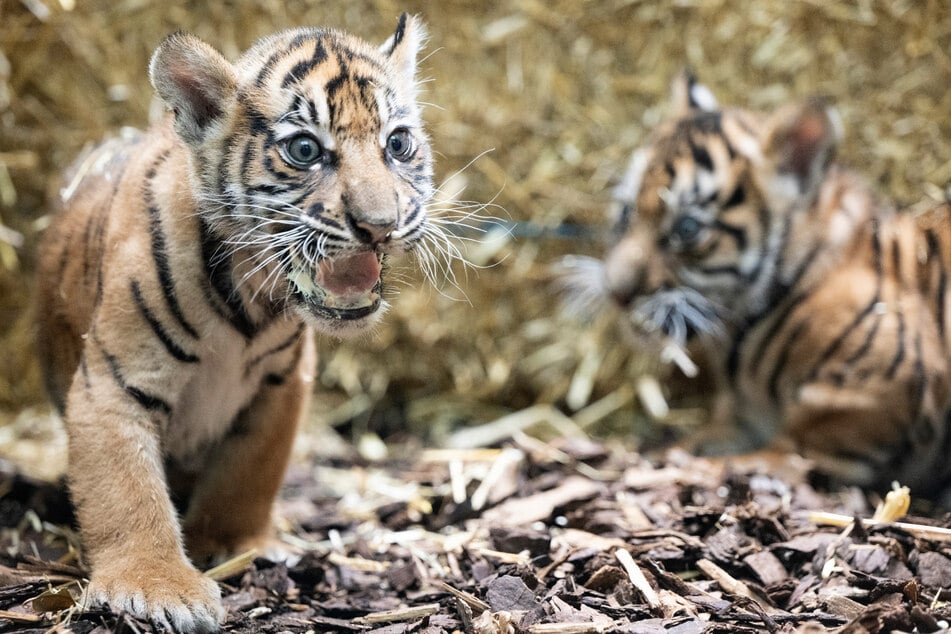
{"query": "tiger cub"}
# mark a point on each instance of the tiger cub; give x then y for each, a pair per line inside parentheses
(179, 285)
(824, 311)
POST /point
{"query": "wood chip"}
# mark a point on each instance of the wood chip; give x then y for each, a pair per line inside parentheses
(638, 579)
(541, 506)
(935, 533)
(358, 563)
(233, 566)
(474, 602)
(20, 617)
(732, 585)
(400, 614)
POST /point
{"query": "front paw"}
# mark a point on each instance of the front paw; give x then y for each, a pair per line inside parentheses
(172, 596)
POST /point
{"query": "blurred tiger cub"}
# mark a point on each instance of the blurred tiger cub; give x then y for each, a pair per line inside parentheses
(825, 311)
(178, 287)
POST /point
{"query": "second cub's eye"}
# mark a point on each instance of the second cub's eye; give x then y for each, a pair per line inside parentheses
(303, 150)
(400, 145)
(686, 229)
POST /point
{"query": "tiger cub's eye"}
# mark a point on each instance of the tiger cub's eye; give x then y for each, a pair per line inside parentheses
(686, 229)
(400, 145)
(303, 151)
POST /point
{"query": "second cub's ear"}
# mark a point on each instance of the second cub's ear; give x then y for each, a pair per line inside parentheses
(195, 81)
(687, 95)
(801, 140)
(403, 46)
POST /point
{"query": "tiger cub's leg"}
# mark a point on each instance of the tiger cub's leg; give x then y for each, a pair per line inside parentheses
(230, 506)
(129, 528)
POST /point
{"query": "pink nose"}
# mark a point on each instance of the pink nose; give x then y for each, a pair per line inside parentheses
(371, 232)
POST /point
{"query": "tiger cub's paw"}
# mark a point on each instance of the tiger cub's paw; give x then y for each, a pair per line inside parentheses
(175, 597)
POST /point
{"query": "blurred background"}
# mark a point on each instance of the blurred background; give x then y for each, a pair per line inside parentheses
(533, 106)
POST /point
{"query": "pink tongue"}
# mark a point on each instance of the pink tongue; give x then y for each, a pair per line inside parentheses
(349, 274)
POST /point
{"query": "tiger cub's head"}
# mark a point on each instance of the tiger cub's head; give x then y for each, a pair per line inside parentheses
(703, 207)
(310, 163)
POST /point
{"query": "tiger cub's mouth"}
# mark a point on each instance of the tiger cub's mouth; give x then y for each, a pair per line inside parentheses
(346, 287)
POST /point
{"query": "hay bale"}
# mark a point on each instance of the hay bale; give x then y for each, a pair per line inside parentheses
(560, 92)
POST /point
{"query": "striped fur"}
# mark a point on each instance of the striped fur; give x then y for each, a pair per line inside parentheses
(179, 285)
(825, 309)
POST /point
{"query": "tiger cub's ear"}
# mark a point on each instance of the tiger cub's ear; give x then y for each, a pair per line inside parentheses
(402, 47)
(194, 80)
(687, 95)
(801, 140)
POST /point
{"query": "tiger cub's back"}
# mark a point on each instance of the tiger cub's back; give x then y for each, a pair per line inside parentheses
(69, 267)
(825, 311)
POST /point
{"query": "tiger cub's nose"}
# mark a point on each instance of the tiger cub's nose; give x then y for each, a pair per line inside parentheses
(371, 232)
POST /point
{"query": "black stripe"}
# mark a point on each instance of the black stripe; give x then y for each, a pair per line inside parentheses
(896, 260)
(670, 170)
(867, 343)
(330, 222)
(877, 250)
(333, 85)
(398, 35)
(700, 155)
(777, 296)
(275, 378)
(365, 85)
(919, 380)
(857, 320)
(900, 341)
(737, 198)
(708, 121)
(146, 400)
(218, 273)
(157, 328)
(279, 377)
(159, 253)
(783, 358)
(258, 122)
(268, 66)
(787, 311)
(839, 341)
(273, 171)
(735, 232)
(284, 345)
(87, 240)
(66, 241)
(303, 67)
(268, 188)
(935, 255)
(733, 359)
(724, 269)
(413, 214)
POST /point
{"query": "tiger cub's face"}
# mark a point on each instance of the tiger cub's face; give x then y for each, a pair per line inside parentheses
(702, 207)
(311, 163)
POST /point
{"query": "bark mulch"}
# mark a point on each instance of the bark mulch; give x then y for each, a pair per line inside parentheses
(569, 537)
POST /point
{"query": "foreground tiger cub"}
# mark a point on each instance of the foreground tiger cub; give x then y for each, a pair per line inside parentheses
(825, 311)
(178, 287)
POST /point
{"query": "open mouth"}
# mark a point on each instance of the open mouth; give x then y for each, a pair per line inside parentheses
(344, 288)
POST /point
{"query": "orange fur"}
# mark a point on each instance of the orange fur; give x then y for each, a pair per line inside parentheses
(826, 311)
(179, 285)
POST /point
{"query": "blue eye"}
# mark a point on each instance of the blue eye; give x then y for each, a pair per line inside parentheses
(686, 229)
(400, 145)
(303, 151)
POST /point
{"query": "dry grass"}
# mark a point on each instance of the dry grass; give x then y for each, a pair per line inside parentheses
(560, 92)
